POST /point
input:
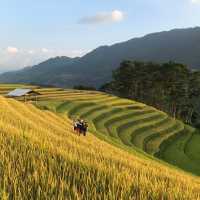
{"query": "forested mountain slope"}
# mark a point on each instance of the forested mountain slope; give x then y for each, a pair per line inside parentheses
(95, 68)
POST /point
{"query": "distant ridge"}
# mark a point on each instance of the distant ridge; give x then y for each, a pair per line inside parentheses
(95, 68)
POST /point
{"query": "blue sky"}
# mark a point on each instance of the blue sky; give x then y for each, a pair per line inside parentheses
(32, 31)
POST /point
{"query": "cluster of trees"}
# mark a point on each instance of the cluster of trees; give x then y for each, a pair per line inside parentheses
(170, 87)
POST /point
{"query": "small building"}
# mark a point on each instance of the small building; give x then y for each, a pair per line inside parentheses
(24, 94)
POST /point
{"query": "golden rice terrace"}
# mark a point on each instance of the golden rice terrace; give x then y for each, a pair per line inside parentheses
(41, 157)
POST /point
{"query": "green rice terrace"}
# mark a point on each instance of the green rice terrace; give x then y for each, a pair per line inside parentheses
(126, 124)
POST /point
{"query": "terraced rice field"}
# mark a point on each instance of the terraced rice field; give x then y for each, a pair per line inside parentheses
(41, 158)
(127, 123)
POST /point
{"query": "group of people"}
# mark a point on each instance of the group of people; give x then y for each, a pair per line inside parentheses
(80, 126)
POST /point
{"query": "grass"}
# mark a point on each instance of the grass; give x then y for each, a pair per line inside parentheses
(174, 153)
(141, 133)
(192, 148)
(152, 142)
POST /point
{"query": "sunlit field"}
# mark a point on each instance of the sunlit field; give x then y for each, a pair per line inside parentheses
(41, 157)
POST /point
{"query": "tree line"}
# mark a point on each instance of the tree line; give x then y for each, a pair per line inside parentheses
(170, 87)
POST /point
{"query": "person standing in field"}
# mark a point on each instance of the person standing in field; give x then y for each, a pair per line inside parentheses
(80, 127)
(85, 127)
(75, 125)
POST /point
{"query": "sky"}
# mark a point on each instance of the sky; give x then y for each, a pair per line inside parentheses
(32, 31)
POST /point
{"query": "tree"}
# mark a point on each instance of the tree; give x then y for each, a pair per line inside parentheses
(170, 87)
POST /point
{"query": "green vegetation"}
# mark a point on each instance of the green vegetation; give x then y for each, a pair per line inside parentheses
(170, 87)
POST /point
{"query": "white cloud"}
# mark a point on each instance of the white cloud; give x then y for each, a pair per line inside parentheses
(103, 17)
(31, 51)
(44, 50)
(12, 50)
(195, 1)
(117, 15)
(30, 57)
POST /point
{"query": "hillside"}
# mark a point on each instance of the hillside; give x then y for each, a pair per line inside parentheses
(45, 73)
(130, 124)
(126, 124)
(42, 159)
(95, 68)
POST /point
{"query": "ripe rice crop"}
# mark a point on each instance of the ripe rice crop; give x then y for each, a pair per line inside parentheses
(41, 158)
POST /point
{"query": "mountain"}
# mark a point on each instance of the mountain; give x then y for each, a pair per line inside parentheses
(95, 68)
(45, 73)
